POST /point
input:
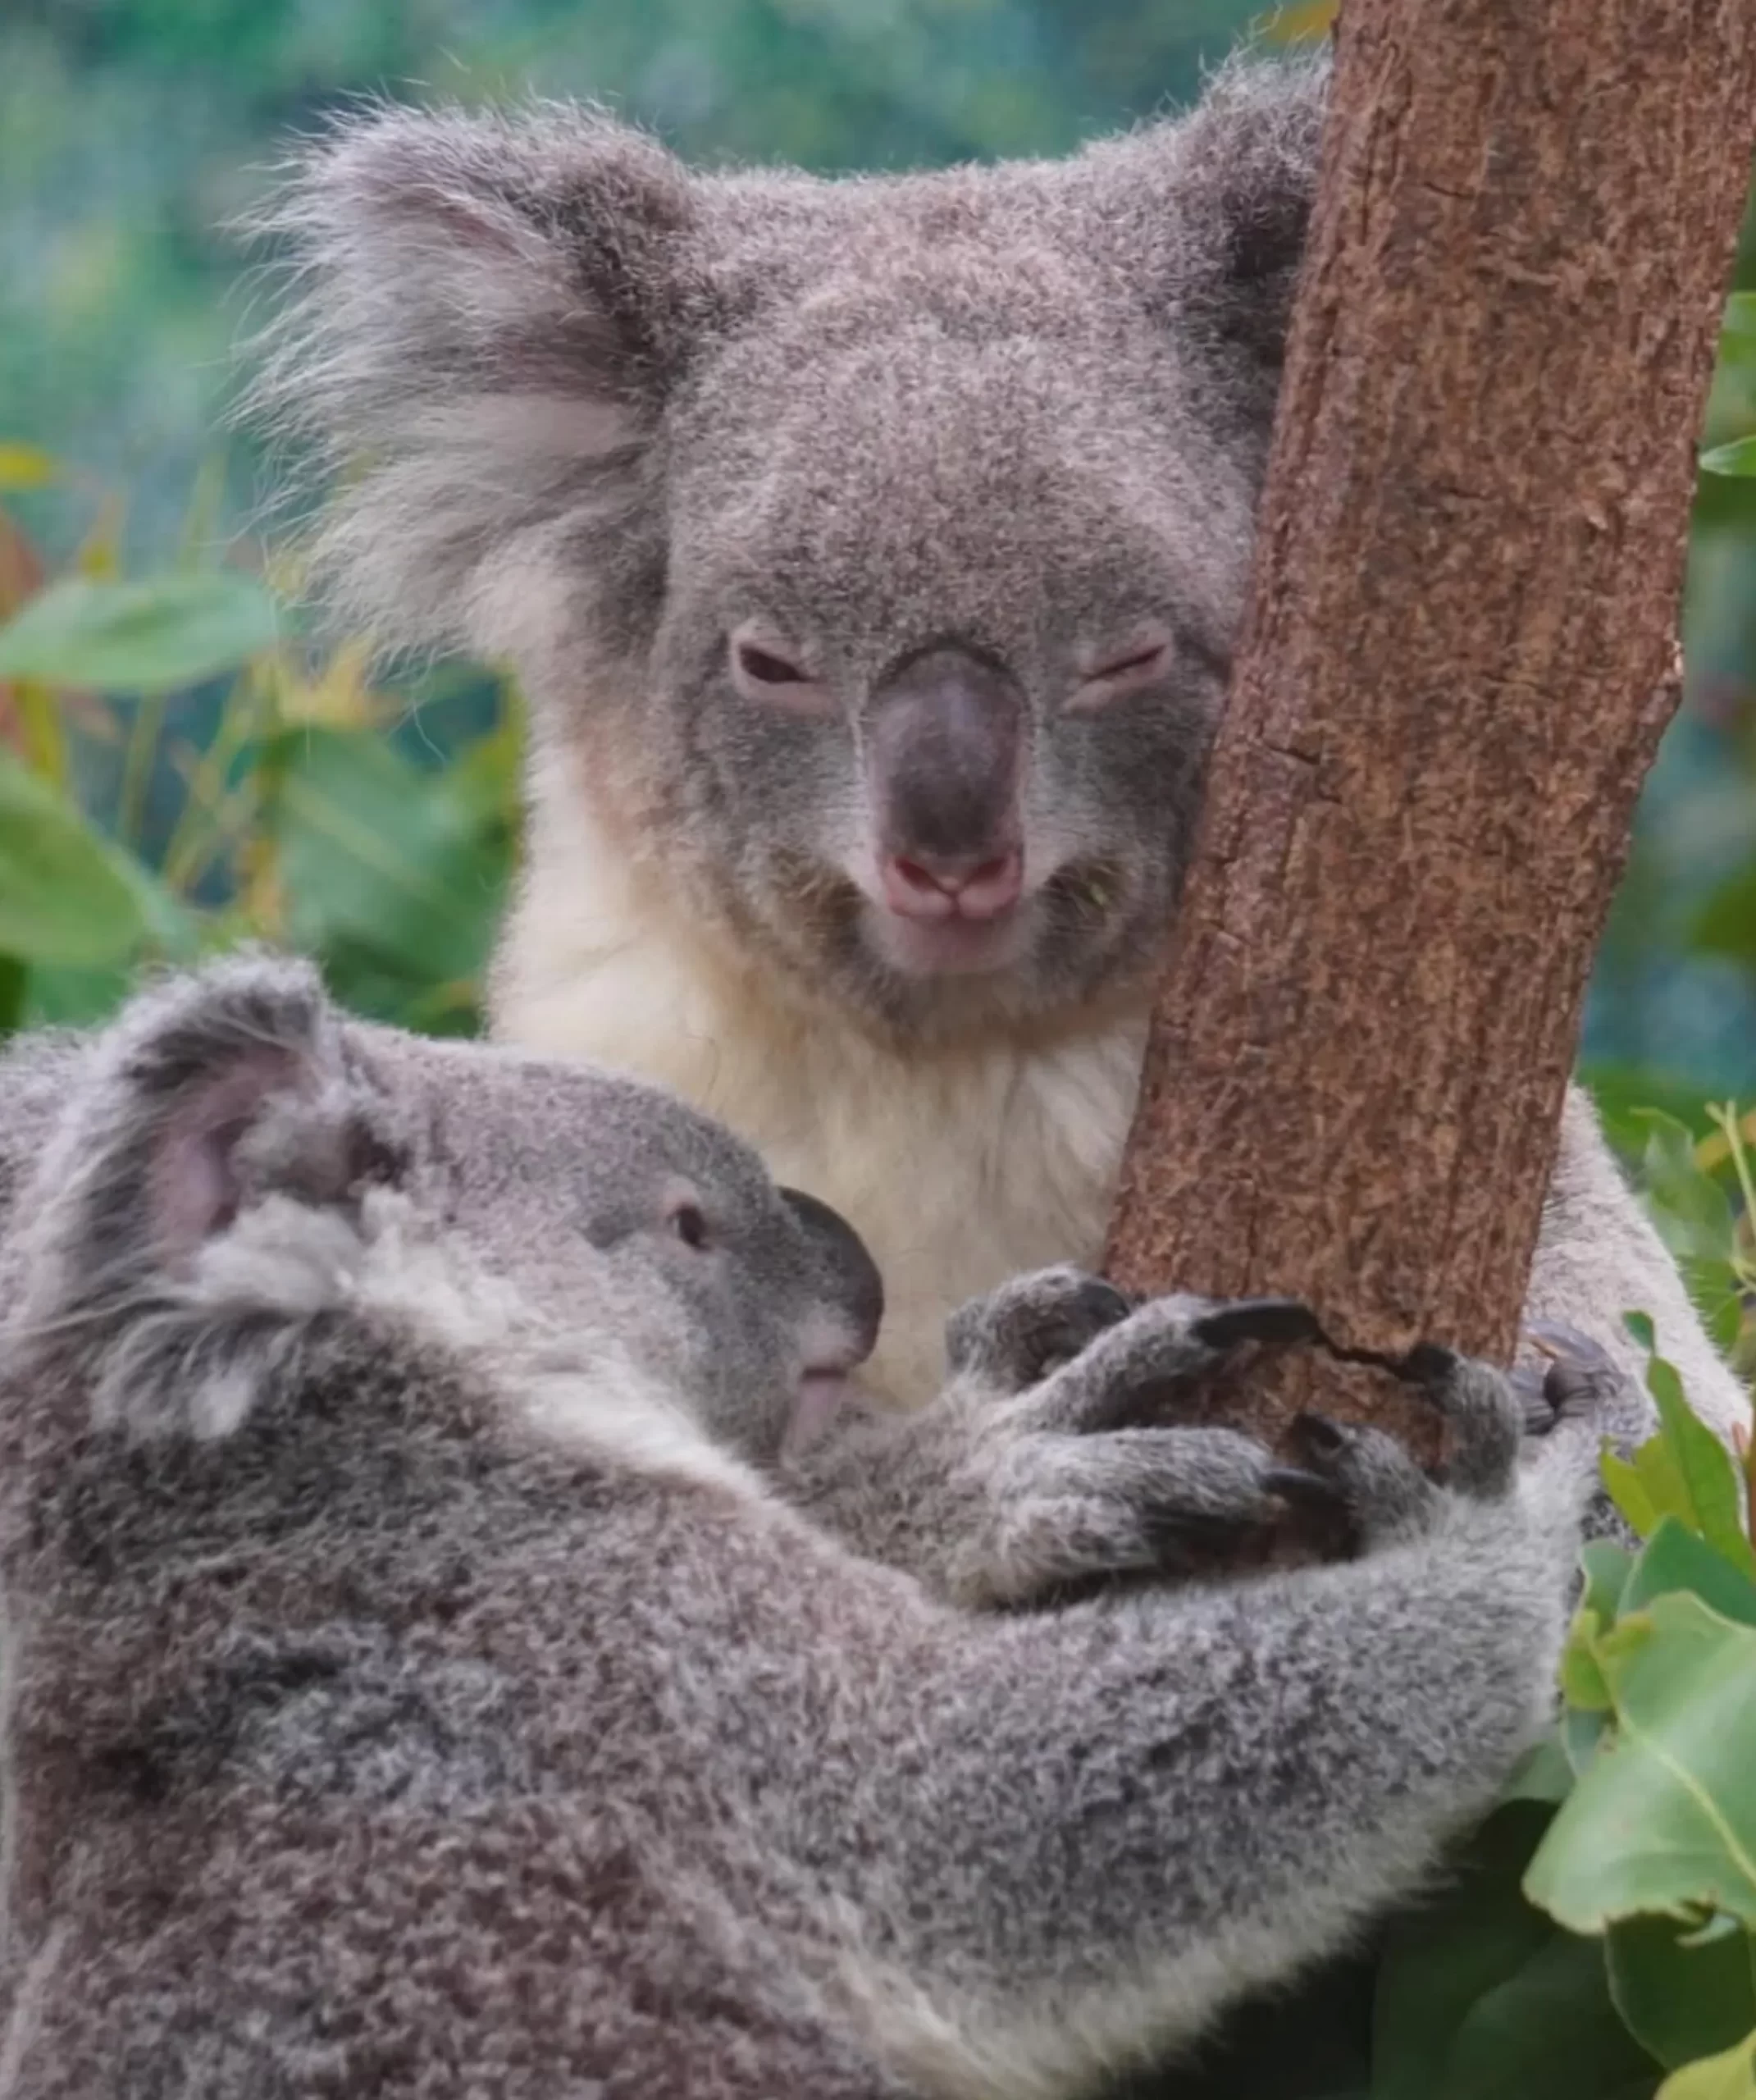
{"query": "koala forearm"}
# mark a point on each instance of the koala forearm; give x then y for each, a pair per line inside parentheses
(1303, 1747)
(876, 1484)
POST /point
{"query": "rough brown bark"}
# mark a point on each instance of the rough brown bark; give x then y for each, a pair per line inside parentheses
(1458, 664)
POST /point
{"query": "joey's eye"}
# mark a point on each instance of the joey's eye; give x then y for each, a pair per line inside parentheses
(690, 1225)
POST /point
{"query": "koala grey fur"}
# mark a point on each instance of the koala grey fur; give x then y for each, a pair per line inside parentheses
(417, 1686)
(842, 530)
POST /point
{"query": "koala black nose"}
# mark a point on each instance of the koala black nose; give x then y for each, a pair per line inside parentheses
(853, 1285)
(944, 747)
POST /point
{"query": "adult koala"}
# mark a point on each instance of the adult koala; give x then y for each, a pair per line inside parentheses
(873, 552)
(417, 1686)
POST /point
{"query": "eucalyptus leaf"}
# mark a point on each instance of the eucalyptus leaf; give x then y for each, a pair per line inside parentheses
(1699, 1475)
(392, 876)
(1606, 1566)
(142, 637)
(1676, 1558)
(1736, 460)
(1731, 2076)
(1663, 1819)
(1693, 1212)
(1683, 2000)
(63, 897)
(1543, 1775)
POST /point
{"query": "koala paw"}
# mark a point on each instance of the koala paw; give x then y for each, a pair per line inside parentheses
(1062, 1383)
(1489, 1415)
(1016, 1335)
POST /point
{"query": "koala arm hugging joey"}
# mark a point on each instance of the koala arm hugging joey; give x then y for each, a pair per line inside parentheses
(872, 554)
(415, 1687)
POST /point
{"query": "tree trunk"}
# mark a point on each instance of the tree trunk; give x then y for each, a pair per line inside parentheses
(1458, 661)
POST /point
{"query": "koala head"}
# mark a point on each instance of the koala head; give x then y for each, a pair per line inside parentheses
(872, 549)
(236, 1164)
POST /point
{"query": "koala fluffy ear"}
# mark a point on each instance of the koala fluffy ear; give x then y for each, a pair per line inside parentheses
(490, 312)
(1207, 215)
(211, 1094)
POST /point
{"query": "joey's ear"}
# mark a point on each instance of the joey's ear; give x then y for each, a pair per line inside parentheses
(198, 1199)
(490, 312)
(1208, 213)
(208, 1092)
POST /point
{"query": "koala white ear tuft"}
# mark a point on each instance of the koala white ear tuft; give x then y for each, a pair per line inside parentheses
(491, 313)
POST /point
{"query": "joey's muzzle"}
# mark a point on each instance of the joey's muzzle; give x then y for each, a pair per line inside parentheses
(850, 1282)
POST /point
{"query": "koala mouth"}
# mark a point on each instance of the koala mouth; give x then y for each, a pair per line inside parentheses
(1072, 907)
(951, 948)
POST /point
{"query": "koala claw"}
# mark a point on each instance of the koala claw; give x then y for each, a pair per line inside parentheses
(1319, 1437)
(1292, 1484)
(1273, 1320)
(1431, 1367)
(1556, 1339)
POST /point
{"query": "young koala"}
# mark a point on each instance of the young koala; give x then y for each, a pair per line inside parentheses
(417, 1685)
(871, 553)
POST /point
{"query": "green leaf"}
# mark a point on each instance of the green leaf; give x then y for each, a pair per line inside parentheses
(1582, 1731)
(1629, 1492)
(1740, 316)
(1480, 1998)
(63, 896)
(1692, 1211)
(1730, 2077)
(1544, 1775)
(1582, 1678)
(1737, 459)
(15, 979)
(1691, 1475)
(143, 637)
(1676, 1558)
(1607, 1566)
(58, 996)
(392, 877)
(1724, 923)
(1682, 2000)
(1664, 1820)
(1443, 1958)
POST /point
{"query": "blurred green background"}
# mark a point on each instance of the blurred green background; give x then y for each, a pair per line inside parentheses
(238, 778)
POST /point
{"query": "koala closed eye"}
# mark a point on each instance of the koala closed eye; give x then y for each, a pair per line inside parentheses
(766, 671)
(1119, 672)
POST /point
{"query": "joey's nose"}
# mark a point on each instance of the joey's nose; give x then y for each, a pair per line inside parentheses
(944, 754)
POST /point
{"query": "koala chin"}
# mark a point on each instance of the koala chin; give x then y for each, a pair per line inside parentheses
(871, 552)
(430, 1675)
